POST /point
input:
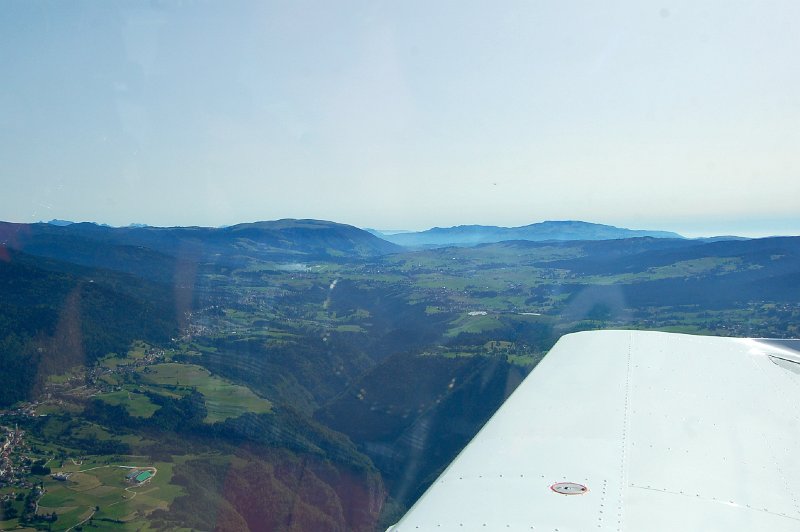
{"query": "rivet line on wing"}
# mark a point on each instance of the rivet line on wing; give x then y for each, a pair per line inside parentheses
(720, 501)
(625, 427)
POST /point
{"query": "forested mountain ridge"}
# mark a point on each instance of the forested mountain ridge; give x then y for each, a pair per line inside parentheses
(56, 315)
(149, 246)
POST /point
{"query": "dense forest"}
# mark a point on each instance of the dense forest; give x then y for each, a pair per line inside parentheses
(56, 315)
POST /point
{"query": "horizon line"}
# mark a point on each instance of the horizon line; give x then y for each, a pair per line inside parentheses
(687, 234)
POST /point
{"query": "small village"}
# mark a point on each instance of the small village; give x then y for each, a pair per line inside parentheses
(14, 462)
(16, 467)
(23, 484)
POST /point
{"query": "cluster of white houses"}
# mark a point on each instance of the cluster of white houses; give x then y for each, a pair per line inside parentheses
(12, 441)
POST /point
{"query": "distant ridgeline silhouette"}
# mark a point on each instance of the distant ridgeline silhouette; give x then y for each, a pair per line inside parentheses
(469, 235)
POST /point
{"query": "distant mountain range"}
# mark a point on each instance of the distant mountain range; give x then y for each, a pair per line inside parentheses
(469, 235)
(151, 252)
(279, 239)
(56, 221)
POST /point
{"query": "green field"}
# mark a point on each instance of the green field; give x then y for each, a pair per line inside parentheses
(137, 404)
(223, 399)
(473, 324)
(91, 431)
(349, 328)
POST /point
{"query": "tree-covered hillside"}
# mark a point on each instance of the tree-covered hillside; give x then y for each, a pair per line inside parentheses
(56, 315)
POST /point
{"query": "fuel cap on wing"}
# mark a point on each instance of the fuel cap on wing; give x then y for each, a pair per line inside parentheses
(569, 488)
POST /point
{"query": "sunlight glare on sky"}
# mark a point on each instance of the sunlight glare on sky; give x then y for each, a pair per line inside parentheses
(680, 116)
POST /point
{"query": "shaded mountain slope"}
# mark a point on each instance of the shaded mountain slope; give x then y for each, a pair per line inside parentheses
(153, 251)
(412, 414)
(776, 253)
(57, 315)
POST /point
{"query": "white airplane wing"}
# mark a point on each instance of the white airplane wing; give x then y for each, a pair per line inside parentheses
(632, 430)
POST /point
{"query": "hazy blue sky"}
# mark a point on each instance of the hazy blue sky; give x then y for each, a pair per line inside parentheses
(667, 115)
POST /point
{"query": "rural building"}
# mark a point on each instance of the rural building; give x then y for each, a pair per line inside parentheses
(144, 475)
